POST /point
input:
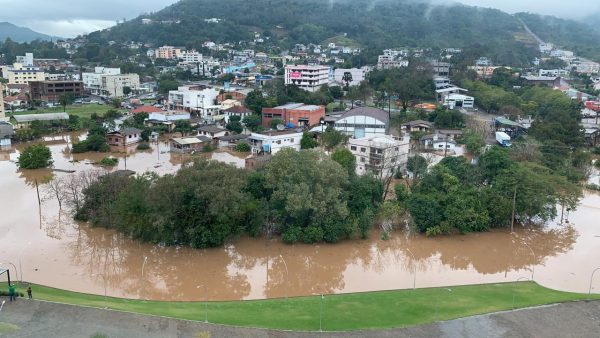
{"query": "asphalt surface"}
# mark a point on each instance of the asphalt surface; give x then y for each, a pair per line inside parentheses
(42, 319)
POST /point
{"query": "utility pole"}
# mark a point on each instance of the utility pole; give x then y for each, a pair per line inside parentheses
(512, 220)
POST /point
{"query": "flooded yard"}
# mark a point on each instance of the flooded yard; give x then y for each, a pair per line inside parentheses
(56, 251)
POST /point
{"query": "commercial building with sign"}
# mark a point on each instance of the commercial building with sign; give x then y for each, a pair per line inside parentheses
(309, 78)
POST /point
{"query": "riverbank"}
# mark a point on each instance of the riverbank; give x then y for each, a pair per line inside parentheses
(343, 312)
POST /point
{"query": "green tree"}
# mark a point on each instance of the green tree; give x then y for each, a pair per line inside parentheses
(473, 141)
(126, 90)
(35, 156)
(308, 203)
(417, 165)
(255, 101)
(308, 141)
(346, 159)
(183, 127)
(332, 138)
(242, 147)
(275, 122)
(253, 122)
(65, 100)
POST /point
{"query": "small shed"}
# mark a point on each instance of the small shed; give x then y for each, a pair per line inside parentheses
(188, 144)
(6, 133)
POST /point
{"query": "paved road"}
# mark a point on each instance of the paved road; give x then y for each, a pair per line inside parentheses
(41, 319)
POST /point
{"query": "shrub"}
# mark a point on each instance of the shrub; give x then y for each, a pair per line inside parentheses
(35, 156)
(109, 161)
(143, 146)
(208, 148)
(242, 147)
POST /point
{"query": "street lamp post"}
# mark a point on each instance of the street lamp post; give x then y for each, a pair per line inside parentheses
(513, 291)
(286, 275)
(20, 267)
(205, 302)
(143, 265)
(414, 269)
(321, 315)
(14, 267)
(591, 280)
(532, 264)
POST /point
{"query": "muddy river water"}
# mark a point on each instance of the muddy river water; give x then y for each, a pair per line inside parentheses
(55, 251)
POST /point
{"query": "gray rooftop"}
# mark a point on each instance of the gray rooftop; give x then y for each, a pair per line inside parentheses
(375, 113)
(41, 117)
(211, 128)
(290, 105)
(6, 129)
(233, 137)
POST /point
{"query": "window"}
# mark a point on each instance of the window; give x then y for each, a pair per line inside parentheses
(362, 150)
(362, 159)
(352, 147)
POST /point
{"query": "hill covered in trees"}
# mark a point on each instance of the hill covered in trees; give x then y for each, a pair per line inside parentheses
(373, 25)
(579, 37)
(21, 34)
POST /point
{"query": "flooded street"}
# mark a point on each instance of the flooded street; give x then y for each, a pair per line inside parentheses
(58, 252)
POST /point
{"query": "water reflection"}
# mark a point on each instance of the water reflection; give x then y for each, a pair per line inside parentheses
(78, 257)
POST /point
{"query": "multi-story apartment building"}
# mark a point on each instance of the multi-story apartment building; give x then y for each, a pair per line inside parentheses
(50, 91)
(191, 56)
(309, 78)
(200, 100)
(109, 82)
(20, 73)
(381, 156)
(167, 52)
(390, 62)
(294, 115)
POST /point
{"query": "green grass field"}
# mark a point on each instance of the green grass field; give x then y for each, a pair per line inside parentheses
(370, 310)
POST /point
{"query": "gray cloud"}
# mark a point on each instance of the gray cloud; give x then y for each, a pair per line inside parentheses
(69, 18)
(572, 9)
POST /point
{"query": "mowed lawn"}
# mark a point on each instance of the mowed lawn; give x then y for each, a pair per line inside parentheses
(369, 310)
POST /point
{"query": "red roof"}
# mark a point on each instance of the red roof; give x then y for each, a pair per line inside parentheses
(146, 109)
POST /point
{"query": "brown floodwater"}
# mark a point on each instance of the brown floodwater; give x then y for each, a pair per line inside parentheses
(56, 251)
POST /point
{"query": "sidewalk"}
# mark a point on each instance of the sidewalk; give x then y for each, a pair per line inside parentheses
(42, 319)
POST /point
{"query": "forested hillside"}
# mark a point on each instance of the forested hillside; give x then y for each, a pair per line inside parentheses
(372, 25)
(569, 34)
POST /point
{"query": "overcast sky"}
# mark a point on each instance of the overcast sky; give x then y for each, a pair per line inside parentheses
(68, 18)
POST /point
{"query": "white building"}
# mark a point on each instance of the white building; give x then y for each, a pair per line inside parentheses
(564, 55)
(390, 62)
(309, 78)
(93, 81)
(191, 56)
(553, 72)
(546, 48)
(380, 155)
(357, 74)
(195, 99)
(361, 122)
(169, 116)
(459, 100)
(273, 141)
(26, 60)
